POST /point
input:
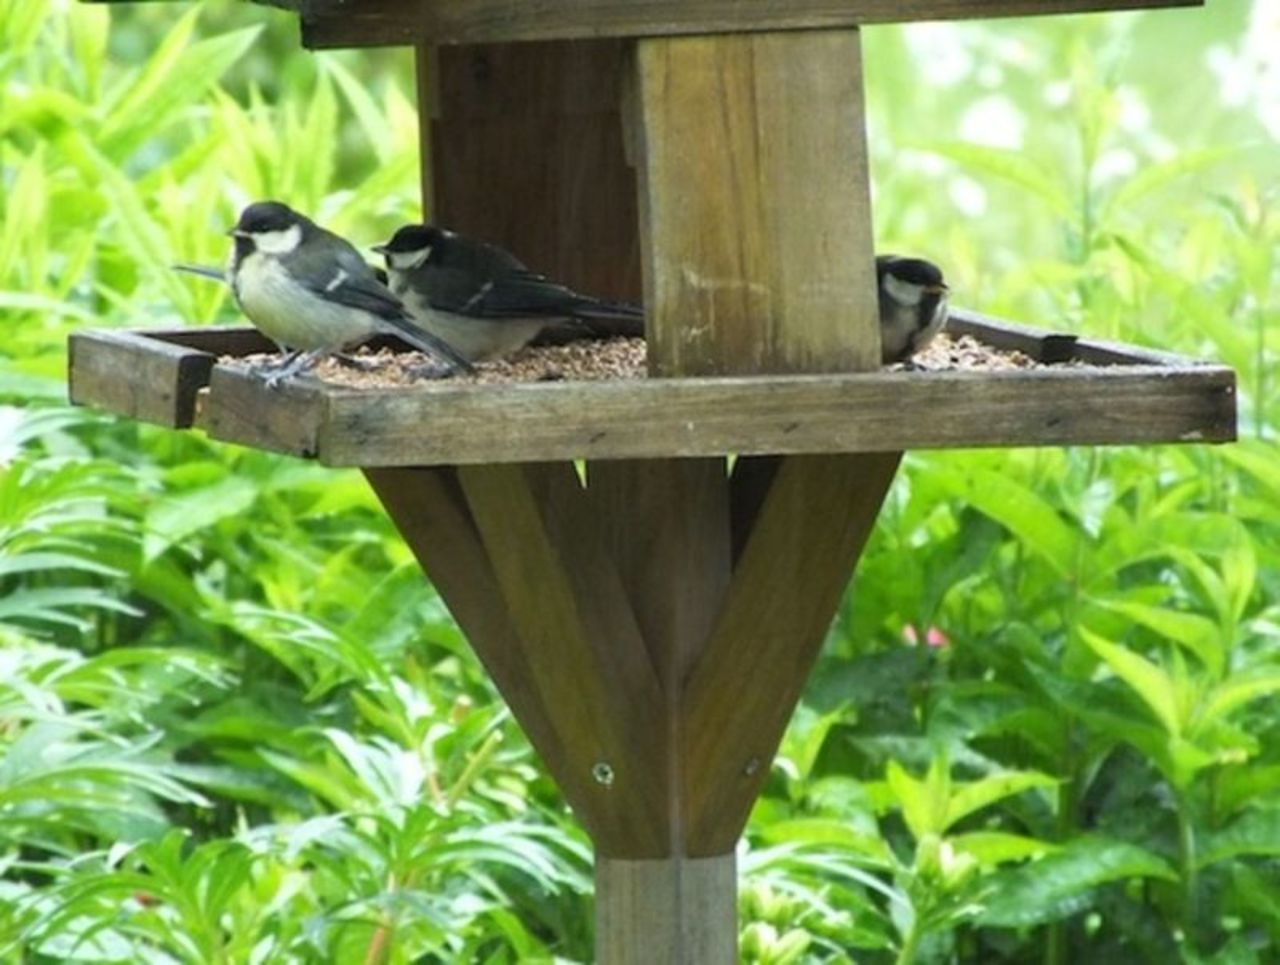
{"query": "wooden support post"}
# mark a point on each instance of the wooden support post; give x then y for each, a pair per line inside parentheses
(757, 253)
(755, 204)
(667, 526)
(652, 629)
(525, 148)
(678, 910)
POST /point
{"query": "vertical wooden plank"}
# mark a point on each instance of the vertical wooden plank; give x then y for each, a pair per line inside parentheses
(805, 542)
(427, 66)
(525, 149)
(676, 912)
(755, 205)
(666, 524)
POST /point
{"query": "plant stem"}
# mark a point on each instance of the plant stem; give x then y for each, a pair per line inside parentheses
(1187, 867)
(907, 954)
(1055, 946)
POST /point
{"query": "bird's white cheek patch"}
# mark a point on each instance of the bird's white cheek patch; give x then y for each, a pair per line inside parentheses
(903, 291)
(409, 260)
(278, 242)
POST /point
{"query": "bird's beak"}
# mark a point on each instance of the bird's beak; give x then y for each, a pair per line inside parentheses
(380, 249)
(235, 232)
(937, 289)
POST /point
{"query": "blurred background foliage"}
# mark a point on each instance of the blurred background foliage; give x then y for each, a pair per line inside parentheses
(236, 726)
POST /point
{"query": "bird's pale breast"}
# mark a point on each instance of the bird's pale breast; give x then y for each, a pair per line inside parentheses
(291, 315)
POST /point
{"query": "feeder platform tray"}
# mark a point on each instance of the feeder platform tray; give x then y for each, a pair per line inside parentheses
(1112, 394)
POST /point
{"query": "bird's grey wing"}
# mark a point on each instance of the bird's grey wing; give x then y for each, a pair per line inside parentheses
(337, 273)
(511, 294)
(341, 275)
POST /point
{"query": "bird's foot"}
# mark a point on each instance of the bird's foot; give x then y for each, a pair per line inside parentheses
(432, 370)
(292, 364)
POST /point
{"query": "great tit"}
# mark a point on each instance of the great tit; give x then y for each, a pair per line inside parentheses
(483, 300)
(913, 305)
(310, 292)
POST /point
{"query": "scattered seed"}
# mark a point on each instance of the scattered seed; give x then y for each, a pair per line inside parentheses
(602, 360)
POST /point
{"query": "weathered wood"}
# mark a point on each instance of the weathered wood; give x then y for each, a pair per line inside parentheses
(1037, 343)
(666, 526)
(676, 912)
(439, 423)
(138, 376)
(220, 340)
(429, 510)
(240, 408)
(525, 149)
(1047, 346)
(749, 484)
(582, 645)
(363, 23)
(776, 415)
(807, 537)
(756, 218)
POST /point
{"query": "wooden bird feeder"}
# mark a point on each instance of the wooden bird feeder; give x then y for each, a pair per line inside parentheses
(652, 627)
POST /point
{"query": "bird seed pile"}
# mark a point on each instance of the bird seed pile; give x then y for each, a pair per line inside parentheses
(617, 358)
(964, 353)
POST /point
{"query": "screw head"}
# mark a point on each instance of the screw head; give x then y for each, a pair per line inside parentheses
(602, 773)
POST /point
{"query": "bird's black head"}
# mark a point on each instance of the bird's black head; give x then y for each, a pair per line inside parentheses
(411, 246)
(264, 217)
(410, 238)
(913, 271)
(269, 227)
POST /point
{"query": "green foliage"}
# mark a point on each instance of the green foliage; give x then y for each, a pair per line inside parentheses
(236, 725)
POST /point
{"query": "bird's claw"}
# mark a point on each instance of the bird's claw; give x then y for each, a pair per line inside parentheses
(431, 370)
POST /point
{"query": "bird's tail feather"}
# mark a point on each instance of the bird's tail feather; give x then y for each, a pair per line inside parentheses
(423, 340)
(204, 271)
(612, 326)
(596, 308)
(611, 318)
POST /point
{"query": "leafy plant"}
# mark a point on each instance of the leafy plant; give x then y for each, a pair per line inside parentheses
(236, 724)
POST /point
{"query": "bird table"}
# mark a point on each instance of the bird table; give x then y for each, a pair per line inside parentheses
(651, 619)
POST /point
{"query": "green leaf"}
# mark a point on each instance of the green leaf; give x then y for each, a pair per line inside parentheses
(1148, 681)
(993, 848)
(179, 516)
(828, 833)
(1015, 167)
(1020, 510)
(89, 28)
(1256, 833)
(1159, 175)
(1244, 784)
(924, 803)
(1239, 690)
(139, 234)
(975, 795)
(1196, 633)
(175, 76)
(1060, 884)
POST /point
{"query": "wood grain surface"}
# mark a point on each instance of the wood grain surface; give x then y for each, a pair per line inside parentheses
(755, 212)
(358, 23)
